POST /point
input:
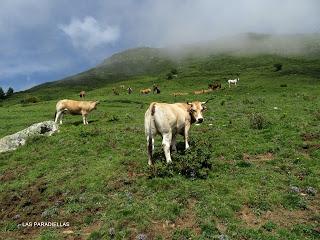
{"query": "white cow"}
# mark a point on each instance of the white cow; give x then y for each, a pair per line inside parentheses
(169, 120)
(233, 81)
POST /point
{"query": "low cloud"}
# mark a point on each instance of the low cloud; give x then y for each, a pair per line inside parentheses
(89, 34)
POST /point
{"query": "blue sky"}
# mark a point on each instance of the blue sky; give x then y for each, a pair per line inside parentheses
(46, 40)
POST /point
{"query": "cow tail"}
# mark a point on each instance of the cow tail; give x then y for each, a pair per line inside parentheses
(152, 108)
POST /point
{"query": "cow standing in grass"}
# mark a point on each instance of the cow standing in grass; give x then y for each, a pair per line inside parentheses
(74, 108)
(233, 81)
(82, 94)
(169, 120)
(145, 91)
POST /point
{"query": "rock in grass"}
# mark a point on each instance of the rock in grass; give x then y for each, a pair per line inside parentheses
(112, 232)
(223, 237)
(12, 142)
(141, 236)
(311, 191)
(294, 189)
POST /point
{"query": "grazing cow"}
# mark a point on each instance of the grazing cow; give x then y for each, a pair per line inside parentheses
(199, 92)
(82, 94)
(169, 120)
(156, 89)
(179, 94)
(207, 90)
(145, 91)
(75, 108)
(115, 92)
(214, 86)
(233, 81)
(130, 90)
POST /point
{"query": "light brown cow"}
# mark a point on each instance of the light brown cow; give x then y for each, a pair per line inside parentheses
(199, 92)
(169, 120)
(207, 90)
(145, 91)
(75, 108)
(179, 94)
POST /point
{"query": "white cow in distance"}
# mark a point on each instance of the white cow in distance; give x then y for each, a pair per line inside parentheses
(233, 81)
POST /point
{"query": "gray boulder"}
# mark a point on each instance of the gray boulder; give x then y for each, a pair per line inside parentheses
(12, 142)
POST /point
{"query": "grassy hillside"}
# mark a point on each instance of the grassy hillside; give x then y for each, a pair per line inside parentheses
(259, 142)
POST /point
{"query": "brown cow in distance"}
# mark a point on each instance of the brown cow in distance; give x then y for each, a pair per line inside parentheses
(145, 91)
(82, 94)
(214, 86)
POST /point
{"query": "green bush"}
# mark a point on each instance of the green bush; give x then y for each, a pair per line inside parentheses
(30, 99)
(258, 121)
(196, 162)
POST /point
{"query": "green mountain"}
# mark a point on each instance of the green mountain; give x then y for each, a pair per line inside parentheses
(156, 62)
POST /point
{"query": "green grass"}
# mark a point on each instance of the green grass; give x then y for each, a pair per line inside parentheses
(96, 176)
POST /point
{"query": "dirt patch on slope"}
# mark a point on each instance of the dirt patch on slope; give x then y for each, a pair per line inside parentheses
(281, 216)
(258, 157)
(187, 220)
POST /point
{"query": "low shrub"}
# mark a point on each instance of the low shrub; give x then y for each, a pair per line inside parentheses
(196, 162)
(258, 121)
(30, 99)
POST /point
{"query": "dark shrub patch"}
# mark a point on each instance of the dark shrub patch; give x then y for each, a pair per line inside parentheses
(258, 121)
(194, 163)
(283, 85)
(277, 66)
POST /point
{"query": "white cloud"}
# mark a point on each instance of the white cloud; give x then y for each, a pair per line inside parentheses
(89, 34)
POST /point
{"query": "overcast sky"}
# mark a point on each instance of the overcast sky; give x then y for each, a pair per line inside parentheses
(45, 40)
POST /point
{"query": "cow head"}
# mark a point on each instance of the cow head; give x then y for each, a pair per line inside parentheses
(94, 104)
(196, 109)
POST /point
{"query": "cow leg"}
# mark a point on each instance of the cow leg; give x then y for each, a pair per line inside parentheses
(150, 149)
(61, 116)
(186, 134)
(173, 143)
(84, 119)
(166, 142)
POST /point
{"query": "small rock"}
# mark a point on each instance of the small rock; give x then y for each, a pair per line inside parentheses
(311, 191)
(223, 237)
(275, 108)
(15, 217)
(58, 203)
(112, 232)
(141, 236)
(294, 189)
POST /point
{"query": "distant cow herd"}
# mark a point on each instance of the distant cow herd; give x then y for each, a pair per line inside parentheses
(167, 120)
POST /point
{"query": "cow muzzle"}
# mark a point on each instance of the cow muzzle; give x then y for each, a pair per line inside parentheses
(199, 120)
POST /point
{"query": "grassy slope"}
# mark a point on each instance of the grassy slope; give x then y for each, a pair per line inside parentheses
(96, 176)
